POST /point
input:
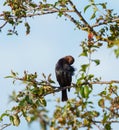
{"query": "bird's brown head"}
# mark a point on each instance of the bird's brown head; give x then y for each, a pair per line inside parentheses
(69, 59)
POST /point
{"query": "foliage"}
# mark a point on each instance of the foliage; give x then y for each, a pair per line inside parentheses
(81, 111)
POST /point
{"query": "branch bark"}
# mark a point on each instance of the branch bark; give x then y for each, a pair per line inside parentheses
(98, 82)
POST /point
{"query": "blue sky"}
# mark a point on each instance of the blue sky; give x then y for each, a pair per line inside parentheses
(51, 37)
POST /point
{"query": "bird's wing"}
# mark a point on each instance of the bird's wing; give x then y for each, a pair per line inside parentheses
(64, 75)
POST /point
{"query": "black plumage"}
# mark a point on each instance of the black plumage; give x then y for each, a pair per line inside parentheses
(64, 72)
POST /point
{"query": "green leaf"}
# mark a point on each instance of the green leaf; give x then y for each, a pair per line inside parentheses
(84, 53)
(103, 5)
(101, 103)
(95, 113)
(97, 62)
(5, 3)
(43, 102)
(28, 119)
(44, 76)
(27, 28)
(103, 93)
(116, 51)
(92, 1)
(29, 101)
(82, 91)
(15, 120)
(84, 67)
(3, 115)
(50, 80)
(86, 122)
(78, 83)
(90, 76)
(86, 91)
(13, 73)
(9, 34)
(33, 5)
(108, 126)
(86, 7)
(93, 16)
(60, 13)
(9, 76)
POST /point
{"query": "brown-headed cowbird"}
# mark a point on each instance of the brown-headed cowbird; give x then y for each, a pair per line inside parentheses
(64, 72)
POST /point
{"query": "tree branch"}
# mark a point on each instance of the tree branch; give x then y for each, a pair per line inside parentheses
(72, 19)
(41, 12)
(58, 88)
(82, 18)
(105, 82)
(105, 22)
(113, 121)
(47, 84)
(49, 11)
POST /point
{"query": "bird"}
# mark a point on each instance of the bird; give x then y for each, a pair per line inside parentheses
(64, 72)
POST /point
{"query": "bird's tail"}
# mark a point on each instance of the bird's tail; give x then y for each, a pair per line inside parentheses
(64, 95)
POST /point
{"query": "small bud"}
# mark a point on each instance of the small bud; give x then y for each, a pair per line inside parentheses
(90, 36)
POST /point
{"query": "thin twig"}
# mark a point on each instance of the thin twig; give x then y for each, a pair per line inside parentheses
(105, 82)
(3, 25)
(72, 19)
(48, 12)
(42, 12)
(5, 126)
(105, 22)
(116, 114)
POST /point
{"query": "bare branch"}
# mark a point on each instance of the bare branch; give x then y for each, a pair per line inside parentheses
(3, 25)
